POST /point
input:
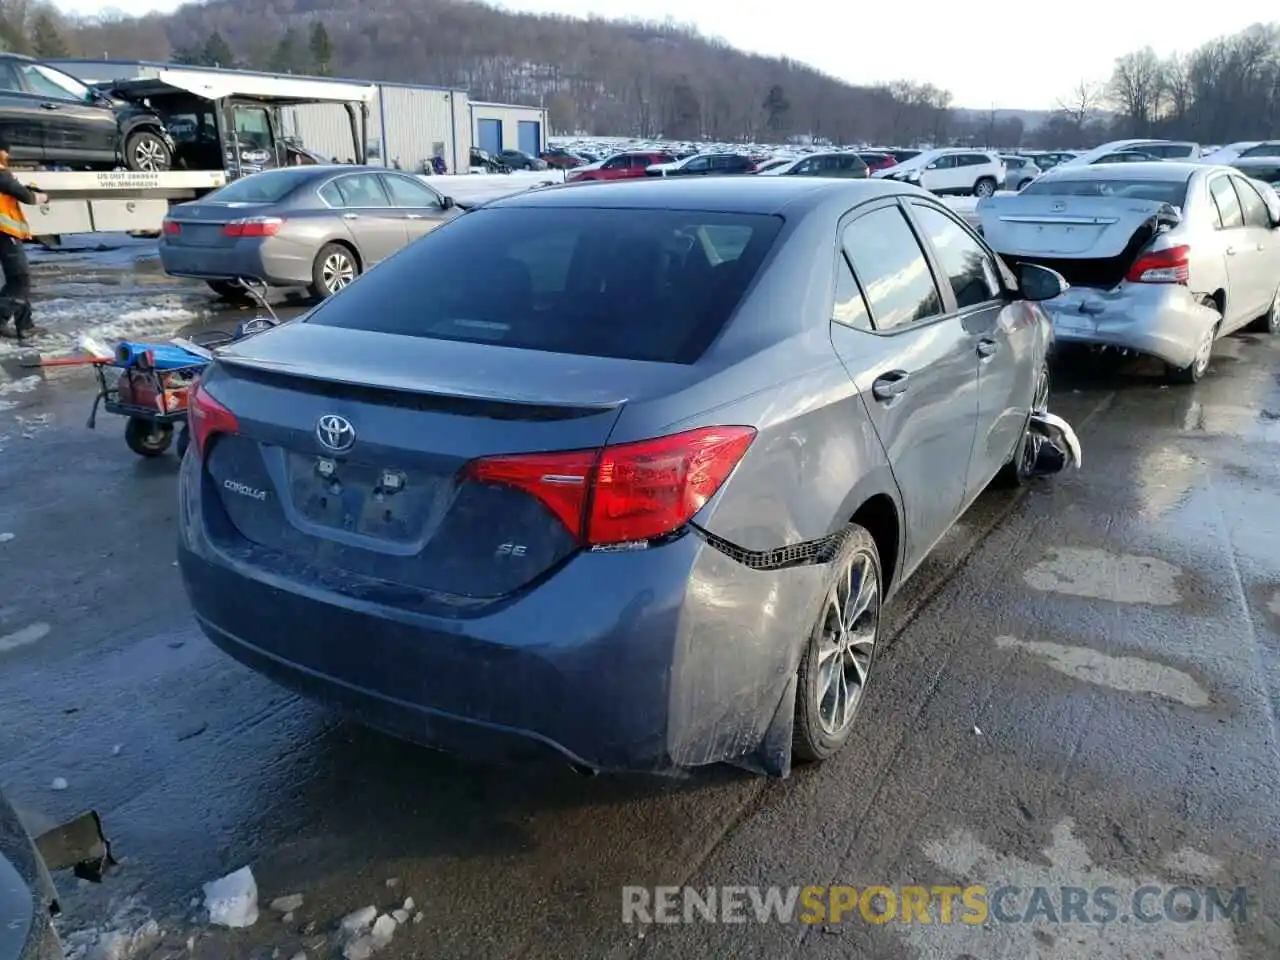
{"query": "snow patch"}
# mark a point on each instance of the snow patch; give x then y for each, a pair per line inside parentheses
(6, 537)
(1065, 863)
(1127, 674)
(1274, 604)
(1099, 575)
(59, 783)
(232, 901)
(1192, 863)
(31, 633)
(128, 932)
(22, 385)
(477, 188)
(359, 920)
(287, 904)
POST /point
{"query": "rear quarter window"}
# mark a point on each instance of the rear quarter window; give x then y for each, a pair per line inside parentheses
(656, 285)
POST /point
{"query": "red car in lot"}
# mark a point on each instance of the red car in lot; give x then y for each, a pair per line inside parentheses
(621, 166)
(878, 161)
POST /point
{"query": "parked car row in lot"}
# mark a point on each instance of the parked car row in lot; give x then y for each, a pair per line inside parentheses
(1163, 257)
(719, 420)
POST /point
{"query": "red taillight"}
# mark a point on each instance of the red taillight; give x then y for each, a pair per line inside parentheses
(171, 227)
(625, 492)
(253, 227)
(1161, 266)
(206, 416)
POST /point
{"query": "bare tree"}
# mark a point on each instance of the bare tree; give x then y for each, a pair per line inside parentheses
(1137, 89)
(1081, 103)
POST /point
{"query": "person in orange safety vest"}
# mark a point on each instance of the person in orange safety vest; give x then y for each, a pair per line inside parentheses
(15, 297)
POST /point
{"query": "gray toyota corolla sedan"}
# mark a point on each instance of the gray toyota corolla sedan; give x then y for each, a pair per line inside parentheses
(312, 226)
(625, 472)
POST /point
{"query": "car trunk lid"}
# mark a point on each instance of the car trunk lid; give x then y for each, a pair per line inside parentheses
(1046, 225)
(1091, 241)
(391, 503)
(205, 224)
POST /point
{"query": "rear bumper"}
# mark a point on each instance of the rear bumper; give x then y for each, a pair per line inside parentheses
(650, 660)
(1165, 321)
(269, 261)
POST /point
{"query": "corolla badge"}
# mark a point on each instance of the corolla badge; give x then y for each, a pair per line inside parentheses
(335, 433)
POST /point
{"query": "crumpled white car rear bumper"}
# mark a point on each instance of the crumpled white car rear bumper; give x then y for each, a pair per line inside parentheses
(1163, 320)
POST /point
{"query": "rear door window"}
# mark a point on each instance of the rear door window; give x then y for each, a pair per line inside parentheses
(966, 265)
(362, 190)
(1224, 198)
(656, 285)
(408, 192)
(892, 269)
(1253, 206)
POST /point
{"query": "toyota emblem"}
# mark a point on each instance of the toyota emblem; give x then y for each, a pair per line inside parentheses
(335, 433)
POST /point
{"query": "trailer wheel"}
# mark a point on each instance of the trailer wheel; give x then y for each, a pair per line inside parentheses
(147, 438)
(146, 150)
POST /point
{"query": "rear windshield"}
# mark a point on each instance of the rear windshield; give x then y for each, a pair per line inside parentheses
(633, 284)
(1163, 191)
(267, 187)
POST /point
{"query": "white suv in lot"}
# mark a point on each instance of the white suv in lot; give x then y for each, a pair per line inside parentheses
(951, 172)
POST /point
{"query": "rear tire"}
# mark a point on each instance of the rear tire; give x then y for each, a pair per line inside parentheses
(335, 267)
(1269, 322)
(838, 656)
(985, 187)
(146, 151)
(147, 438)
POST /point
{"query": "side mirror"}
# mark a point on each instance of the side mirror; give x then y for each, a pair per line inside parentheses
(1040, 283)
(447, 203)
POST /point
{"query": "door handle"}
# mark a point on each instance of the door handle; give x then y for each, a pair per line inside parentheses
(413, 216)
(49, 106)
(351, 216)
(987, 348)
(890, 385)
(1231, 251)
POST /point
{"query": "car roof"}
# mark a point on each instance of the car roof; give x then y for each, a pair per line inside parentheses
(1168, 170)
(760, 195)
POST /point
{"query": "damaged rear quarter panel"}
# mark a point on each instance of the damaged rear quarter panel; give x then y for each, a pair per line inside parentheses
(744, 625)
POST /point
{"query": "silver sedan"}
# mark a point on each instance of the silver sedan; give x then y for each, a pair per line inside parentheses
(1163, 257)
(314, 226)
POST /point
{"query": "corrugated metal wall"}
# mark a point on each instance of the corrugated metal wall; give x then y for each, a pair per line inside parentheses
(418, 124)
(509, 115)
(406, 124)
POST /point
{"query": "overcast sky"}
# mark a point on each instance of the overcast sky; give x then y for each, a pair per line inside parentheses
(1010, 54)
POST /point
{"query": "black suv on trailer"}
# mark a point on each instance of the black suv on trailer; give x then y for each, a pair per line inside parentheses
(52, 119)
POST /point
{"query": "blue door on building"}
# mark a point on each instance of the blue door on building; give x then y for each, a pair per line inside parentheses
(489, 135)
(530, 137)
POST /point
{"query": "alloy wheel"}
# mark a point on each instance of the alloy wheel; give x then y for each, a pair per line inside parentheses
(337, 271)
(984, 189)
(847, 646)
(149, 155)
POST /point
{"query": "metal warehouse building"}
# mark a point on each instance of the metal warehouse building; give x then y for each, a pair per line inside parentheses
(506, 126)
(408, 124)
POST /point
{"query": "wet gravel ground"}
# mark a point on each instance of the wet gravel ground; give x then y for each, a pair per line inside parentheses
(1079, 690)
